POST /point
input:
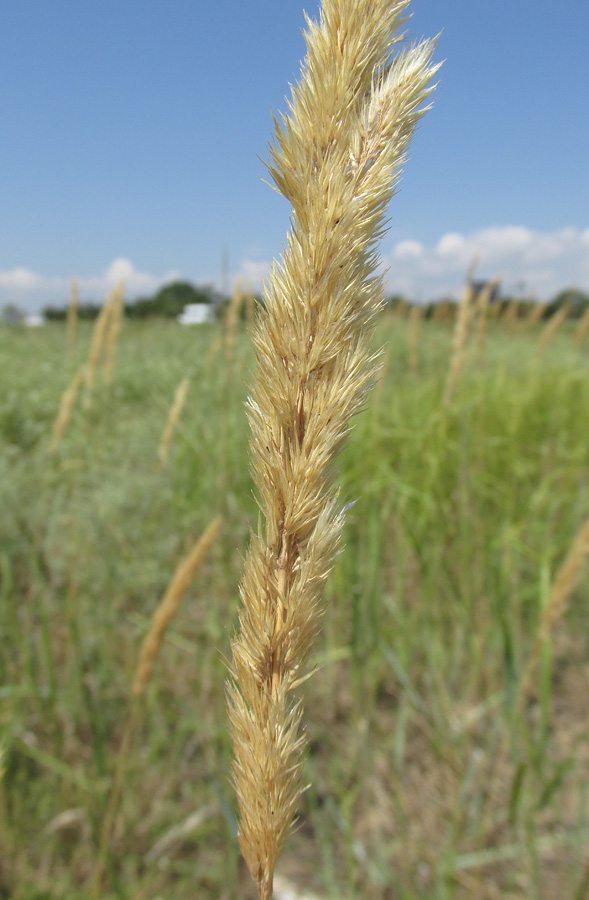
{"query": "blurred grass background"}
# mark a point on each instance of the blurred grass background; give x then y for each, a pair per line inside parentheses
(428, 781)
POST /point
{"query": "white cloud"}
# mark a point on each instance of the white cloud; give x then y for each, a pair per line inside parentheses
(121, 269)
(19, 279)
(32, 291)
(541, 263)
(534, 262)
(252, 273)
(408, 250)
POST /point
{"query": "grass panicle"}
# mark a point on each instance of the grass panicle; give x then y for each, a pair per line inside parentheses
(511, 312)
(551, 328)
(564, 583)
(482, 311)
(250, 307)
(169, 605)
(172, 421)
(537, 310)
(336, 157)
(98, 342)
(231, 319)
(458, 355)
(115, 320)
(65, 408)
(582, 329)
(443, 311)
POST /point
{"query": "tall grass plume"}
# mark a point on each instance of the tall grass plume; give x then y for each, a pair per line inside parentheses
(582, 329)
(65, 408)
(231, 320)
(551, 328)
(336, 157)
(98, 341)
(458, 354)
(172, 421)
(482, 310)
(537, 310)
(563, 585)
(113, 328)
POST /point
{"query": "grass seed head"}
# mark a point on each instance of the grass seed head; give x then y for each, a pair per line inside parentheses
(172, 421)
(336, 157)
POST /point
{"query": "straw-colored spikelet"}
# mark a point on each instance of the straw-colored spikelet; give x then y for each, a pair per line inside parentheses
(97, 345)
(336, 157)
(415, 317)
(173, 416)
(442, 311)
(400, 309)
(231, 320)
(72, 313)
(582, 328)
(250, 307)
(536, 312)
(150, 648)
(482, 304)
(551, 327)
(564, 584)
(382, 375)
(458, 356)
(65, 407)
(113, 326)
(168, 606)
(511, 312)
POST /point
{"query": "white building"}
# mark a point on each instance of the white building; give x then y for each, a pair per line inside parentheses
(33, 320)
(196, 314)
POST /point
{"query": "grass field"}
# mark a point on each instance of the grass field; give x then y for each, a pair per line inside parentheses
(431, 776)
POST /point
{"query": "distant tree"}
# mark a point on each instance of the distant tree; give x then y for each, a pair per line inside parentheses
(86, 311)
(54, 313)
(89, 310)
(577, 300)
(170, 300)
(394, 302)
(11, 314)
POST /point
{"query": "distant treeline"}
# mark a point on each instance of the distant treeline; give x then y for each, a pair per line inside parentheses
(170, 301)
(576, 300)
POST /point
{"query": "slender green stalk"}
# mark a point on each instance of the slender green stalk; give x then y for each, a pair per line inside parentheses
(336, 157)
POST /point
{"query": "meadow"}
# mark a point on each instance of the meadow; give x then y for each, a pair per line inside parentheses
(441, 764)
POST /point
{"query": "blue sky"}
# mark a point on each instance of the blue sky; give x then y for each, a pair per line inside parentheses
(132, 132)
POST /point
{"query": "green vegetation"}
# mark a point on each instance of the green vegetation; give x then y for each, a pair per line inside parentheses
(429, 780)
(170, 301)
(167, 303)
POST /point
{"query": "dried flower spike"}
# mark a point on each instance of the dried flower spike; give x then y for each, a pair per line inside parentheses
(336, 157)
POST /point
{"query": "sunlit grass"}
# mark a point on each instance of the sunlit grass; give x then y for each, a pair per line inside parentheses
(427, 782)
